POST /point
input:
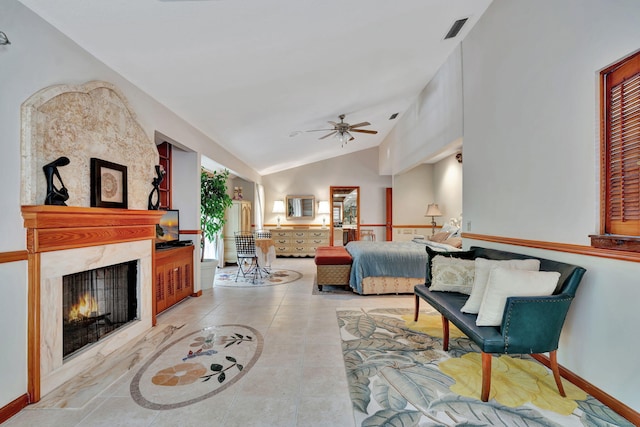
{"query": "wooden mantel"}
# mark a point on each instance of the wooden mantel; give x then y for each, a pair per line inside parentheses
(55, 228)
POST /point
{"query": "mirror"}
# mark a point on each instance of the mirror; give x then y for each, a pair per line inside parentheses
(300, 207)
(346, 214)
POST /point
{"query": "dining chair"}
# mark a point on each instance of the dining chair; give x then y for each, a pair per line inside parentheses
(247, 258)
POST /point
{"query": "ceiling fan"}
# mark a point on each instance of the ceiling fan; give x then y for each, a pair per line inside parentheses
(343, 130)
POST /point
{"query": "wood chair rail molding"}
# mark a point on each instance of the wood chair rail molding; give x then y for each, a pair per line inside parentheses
(190, 231)
(558, 247)
(13, 256)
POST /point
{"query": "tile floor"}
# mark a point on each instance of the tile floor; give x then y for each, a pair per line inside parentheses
(299, 380)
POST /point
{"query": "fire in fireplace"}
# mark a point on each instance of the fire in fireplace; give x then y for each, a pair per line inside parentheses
(96, 303)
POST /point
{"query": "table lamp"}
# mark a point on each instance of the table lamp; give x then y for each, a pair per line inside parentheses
(278, 208)
(433, 211)
(323, 209)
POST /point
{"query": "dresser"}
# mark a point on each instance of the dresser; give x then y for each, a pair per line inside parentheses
(299, 242)
(237, 218)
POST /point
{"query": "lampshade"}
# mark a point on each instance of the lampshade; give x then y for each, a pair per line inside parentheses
(433, 210)
(278, 207)
(323, 207)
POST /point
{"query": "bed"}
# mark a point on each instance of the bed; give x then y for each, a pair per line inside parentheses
(390, 267)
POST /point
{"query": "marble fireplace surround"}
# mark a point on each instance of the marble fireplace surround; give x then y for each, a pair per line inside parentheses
(53, 372)
(80, 122)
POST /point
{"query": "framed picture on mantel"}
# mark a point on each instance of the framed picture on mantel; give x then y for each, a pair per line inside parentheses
(108, 184)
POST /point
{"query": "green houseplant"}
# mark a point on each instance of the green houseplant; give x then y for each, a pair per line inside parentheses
(214, 201)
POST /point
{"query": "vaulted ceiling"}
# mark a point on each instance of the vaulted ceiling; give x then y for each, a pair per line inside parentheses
(255, 75)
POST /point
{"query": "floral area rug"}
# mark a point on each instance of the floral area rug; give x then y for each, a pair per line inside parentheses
(399, 375)
(196, 366)
(226, 277)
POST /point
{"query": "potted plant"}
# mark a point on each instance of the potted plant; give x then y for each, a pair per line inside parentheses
(214, 201)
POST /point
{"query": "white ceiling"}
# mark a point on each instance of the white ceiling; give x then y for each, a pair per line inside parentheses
(251, 73)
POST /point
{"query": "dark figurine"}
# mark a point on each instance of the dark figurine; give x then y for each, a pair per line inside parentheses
(55, 196)
(153, 206)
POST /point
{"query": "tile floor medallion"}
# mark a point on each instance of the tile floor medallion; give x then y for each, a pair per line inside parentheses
(196, 366)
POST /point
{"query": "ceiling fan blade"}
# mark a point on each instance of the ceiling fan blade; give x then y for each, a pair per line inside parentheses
(360, 124)
(372, 132)
(320, 130)
(328, 135)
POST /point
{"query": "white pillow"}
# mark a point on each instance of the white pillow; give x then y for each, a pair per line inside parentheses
(449, 274)
(504, 283)
(483, 268)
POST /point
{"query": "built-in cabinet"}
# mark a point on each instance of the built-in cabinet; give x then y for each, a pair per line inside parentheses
(173, 276)
(237, 218)
(165, 161)
(299, 242)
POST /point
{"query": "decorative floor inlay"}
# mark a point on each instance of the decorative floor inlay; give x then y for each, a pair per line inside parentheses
(197, 366)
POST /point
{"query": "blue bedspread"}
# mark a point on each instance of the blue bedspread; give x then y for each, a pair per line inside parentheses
(390, 259)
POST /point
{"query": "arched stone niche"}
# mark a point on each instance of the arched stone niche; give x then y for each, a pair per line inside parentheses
(80, 122)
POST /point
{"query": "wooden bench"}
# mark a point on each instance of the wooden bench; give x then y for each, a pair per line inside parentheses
(333, 266)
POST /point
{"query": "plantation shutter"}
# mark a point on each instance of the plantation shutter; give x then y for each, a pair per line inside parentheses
(622, 149)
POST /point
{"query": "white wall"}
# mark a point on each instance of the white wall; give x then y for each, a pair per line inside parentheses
(416, 188)
(531, 160)
(447, 188)
(412, 192)
(355, 169)
(40, 56)
(432, 123)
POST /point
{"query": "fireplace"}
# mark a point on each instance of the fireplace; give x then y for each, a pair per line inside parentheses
(95, 303)
(65, 241)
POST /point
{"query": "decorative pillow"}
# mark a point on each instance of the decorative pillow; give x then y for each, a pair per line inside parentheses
(439, 237)
(432, 253)
(452, 274)
(483, 268)
(456, 242)
(504, 283)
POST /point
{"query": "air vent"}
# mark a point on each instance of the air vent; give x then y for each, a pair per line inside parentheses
(393, 116)
(455, 28)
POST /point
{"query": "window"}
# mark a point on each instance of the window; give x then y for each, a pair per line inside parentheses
(620, 151)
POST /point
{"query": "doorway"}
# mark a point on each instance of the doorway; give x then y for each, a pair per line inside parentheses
(345, 214)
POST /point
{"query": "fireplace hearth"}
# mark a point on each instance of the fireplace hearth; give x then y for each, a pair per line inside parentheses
(95, 303)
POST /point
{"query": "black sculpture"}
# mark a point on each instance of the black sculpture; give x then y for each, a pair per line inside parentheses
(156, 190)
(55, 196)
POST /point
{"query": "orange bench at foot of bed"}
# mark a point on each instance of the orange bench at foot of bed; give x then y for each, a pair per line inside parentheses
(333, 266)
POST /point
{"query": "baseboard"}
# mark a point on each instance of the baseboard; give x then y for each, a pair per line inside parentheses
(197, 294)
(615, 405)
(13, 408)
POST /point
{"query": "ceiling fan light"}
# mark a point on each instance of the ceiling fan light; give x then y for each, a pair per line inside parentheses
(343, 137)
